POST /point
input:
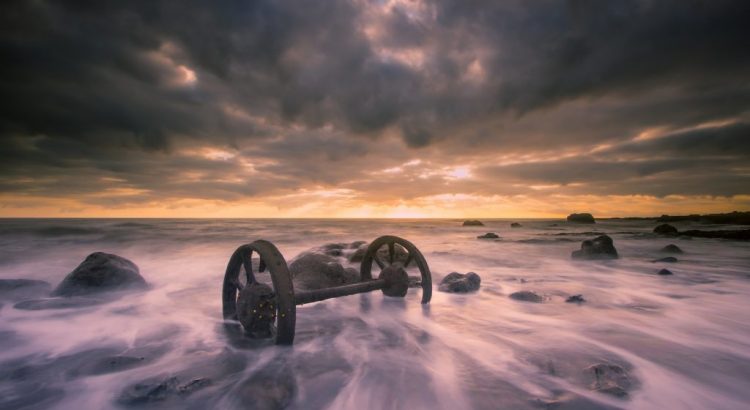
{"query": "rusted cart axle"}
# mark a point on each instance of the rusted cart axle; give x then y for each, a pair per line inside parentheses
(270, 312)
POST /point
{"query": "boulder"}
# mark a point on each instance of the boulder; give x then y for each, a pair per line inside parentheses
(664, 272)
(401, 254)
(668, 259)
(515, 225)
(665, 229)
(600, 247)
(488, 235)
(527, 296)
(472, 222)
(359, 254)
(575, 299)
(455, 282)
(101, 272)
(671, 248)
(318, 271)
(583, 218)
(609, 378)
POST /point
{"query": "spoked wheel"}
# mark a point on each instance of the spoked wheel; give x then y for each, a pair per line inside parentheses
(396, 252)
(263, 311)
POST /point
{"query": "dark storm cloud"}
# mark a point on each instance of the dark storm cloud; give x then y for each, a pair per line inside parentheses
(313, 92)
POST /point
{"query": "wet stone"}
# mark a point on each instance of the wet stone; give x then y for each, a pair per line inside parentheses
(668, 259)
(472, 222)
(671, 248)
(527, 296)
(456, 282)
(582, 218)
(601, 247)
(515, 225)
(575, 299)
(665, 229)
(609, 378)
(664, 272)
(101, 272)
(489, 235)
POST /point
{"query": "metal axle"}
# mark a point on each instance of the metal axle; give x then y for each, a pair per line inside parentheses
(303, 297)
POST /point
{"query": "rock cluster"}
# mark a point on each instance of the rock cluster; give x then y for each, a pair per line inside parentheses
(472, 222)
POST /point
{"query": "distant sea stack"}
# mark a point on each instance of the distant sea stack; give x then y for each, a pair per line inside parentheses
(473, 222)
(583, 218)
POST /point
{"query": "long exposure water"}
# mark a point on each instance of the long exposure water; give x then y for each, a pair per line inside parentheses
(670, 342)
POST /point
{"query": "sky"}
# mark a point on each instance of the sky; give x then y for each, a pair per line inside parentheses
(390, 108)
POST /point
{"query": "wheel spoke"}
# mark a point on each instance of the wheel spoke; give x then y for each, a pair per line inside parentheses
(247, 262)
(408, 260)
(379, 262)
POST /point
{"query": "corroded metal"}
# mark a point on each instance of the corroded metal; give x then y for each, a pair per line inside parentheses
(414, 256)
(271, 312)
(283, 290)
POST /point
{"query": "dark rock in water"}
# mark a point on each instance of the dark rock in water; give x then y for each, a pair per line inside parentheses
(472, 222)
(357, 244)
(609, 378)
(575, 299)
(583, 218)
(58, 303)
(318, 271)
(272, 387)
(600, 247)
(671, 248)
(665, 229)
(668, 259)
(737, 235)
(19, 289)
(160, 389)
(101, 272)
(488, 235)
(359, 254)
(664, 272)
(455, 282)
(527, 296)
(334, 249)
(515, 225)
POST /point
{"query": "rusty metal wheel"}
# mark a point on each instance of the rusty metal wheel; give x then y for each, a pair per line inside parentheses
(251, 296)
(391, 250)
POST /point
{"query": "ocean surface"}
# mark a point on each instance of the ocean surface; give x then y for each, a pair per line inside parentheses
(639, 341)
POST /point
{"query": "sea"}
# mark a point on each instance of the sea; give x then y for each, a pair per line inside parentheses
(638, 340)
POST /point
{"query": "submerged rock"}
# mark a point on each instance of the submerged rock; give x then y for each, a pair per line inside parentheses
(609, 378)
(665, 229)
(455, 282)
(101, 272)
(318, 271)
(575, 299)
(473, 222)
(668, 259)
(515, 225)
(600, 247)
(489, 235)
(671, 248)
(18, 289)
(58, 303)
(527, 296)
(582, 218)
(159, 389)
(664, 272)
